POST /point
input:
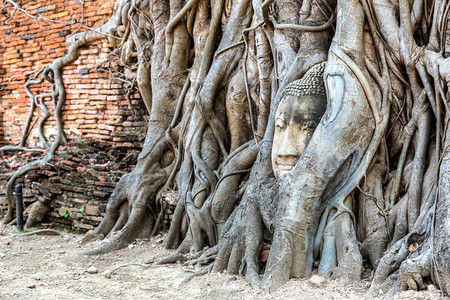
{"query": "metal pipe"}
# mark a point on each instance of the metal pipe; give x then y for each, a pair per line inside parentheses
(19, 207)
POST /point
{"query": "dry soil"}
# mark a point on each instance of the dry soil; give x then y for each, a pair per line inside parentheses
(52, 267)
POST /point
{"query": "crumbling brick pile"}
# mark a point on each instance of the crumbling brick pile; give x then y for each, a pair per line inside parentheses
(78, 184)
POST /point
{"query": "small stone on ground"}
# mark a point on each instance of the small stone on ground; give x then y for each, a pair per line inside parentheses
(317, 280)
(92, 270)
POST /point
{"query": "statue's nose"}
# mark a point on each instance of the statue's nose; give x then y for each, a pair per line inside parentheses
(293, 143)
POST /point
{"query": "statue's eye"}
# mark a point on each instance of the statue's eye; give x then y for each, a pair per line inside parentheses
(308, 131)
(280, 124)
(309, 125)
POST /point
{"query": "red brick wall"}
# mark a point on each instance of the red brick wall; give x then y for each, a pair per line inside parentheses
(98, 123)
(96, 107)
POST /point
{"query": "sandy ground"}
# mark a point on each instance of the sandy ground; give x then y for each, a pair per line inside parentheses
(52, 267)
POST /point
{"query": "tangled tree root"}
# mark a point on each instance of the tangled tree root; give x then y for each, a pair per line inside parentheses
(212, 74)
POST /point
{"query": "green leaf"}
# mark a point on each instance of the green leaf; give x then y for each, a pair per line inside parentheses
(83, 208)
(66, 213)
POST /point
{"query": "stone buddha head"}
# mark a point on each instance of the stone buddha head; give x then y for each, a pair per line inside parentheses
(303, 103)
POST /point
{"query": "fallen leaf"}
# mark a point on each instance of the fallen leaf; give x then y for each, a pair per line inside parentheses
(413, 247)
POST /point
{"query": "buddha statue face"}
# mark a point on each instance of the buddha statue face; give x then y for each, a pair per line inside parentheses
(302, 105)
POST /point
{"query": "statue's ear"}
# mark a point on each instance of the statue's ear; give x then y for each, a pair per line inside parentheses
(335, 86)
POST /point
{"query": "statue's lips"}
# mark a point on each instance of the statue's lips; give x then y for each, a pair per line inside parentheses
(285, 167)
(286, 164)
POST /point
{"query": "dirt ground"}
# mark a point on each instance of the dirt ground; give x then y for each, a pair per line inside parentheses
(52, 267)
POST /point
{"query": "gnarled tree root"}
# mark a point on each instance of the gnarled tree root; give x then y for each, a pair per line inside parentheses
(341, 258)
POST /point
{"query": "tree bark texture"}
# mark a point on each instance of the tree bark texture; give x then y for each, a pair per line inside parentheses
(373, 180)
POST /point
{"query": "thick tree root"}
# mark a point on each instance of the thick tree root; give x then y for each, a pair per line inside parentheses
(372, 213)
(412, 255)
(441, 234)
(139, 219)
(390, 262)
(412, 271)
(114, 210)
(242, 238)
(341, 257)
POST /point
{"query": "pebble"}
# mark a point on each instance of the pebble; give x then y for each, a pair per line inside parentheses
(317, 280)
(107, 274)
(92, 270)
(149, 261)
(432, 288)
(31, 286)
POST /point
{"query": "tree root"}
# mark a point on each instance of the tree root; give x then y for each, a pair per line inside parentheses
(113, 208)
(389, 263)
(341, 257)
(242, 242)
(91, 237)
(39, 232)
(206, 258)
(198, 259)
(200, 272)
(144, 265)
(18, 148)
(139, 219)
(412, 255)
(412, 271)
(176, 257)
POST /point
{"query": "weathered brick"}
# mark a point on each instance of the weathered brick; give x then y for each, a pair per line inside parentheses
(84, 71)
(28, 36)
(63, 33)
